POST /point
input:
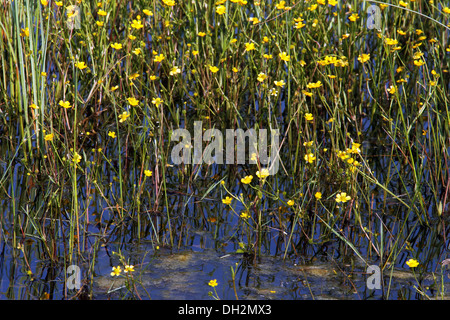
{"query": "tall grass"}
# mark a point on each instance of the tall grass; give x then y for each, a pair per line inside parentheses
(377, 127)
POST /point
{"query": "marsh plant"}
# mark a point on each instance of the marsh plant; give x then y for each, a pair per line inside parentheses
(114, 119)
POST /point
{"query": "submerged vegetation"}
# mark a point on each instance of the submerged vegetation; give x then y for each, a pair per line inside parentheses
(91, 92)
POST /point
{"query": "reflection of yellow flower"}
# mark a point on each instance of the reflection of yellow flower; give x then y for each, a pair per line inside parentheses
(247, 179)
(227, 200)
(412, 263)
(342, 197)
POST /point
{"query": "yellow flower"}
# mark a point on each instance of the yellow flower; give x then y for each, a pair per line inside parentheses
(290, 203)
(81, 65)
(44, 2)
(137, 51)
(124, 116)
(147, 12)
(312, 85)
(247, 179)
(249, 46)
(353, 17)
(76, 158)
(112, 134)
(157, 101)
(213, 69)
(25, 32)
(65, 104)
(446, 10)
(212, 283)
(48, 137)
(403, 4)
(261, 77)
(392, 89)
(283, 56)
(235, 70)
(264, 173)
(159, 58)
(267, 56)
(342, 197)
(310, 157)
(99, 23)
(136, 24)
(221, 9)
(169, 3)
(175, 70)
(245, 215)
(133, 101)
(59, 3)
(129, 268)
(33, 106)
(148, 173)
(280, 83)
(309, 117)
(280, 5)
(101, 12)
(364, 57)
(412, 263)
(390, 42)
(116, 271)
(318, 195)
(116, 46)
(332, 2)
(419, 63)
(201, 34)
(227, 200)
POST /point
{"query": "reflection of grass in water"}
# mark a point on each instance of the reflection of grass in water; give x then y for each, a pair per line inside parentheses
(360, 112)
